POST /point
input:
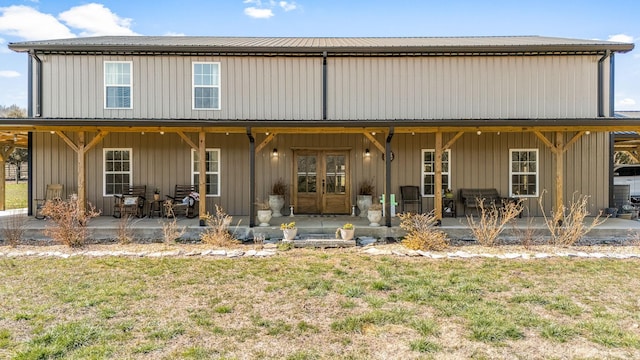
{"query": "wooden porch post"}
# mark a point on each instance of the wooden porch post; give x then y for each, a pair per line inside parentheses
(82, 191)
(437, 190)
(202, 184)
(559, 154)
(4, 155)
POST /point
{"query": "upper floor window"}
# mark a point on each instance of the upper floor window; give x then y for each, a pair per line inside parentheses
(117, 171)
(117, 84)
(523, 172)
(206, 86)
(212, 172)
(429, 171)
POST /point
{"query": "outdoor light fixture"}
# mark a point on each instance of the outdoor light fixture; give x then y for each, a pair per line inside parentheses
(161, 132)
(52, 132)
(373, 133)
(587, 132)
(275, 152)
(15, 137)
(366, 152)
(479, 132)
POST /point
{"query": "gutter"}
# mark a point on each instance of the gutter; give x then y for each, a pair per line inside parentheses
(252, 177)
(324, 85)
(387, 195)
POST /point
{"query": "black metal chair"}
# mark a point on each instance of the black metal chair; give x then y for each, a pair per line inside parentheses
(410, 195)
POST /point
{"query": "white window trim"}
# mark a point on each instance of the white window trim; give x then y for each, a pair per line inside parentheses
(423, 173)
(104, 171)
(193, 172)
(193, 85)
(104, 80)
(511, 173)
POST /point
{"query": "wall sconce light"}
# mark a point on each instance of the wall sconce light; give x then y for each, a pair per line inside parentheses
(587, 132)
(478, 132)
(15, 138)
(373, 133)
(367, 153)
(161, 132)
(274, 153)
(52, 132)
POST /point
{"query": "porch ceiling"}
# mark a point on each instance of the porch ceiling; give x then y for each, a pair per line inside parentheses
(19, 127)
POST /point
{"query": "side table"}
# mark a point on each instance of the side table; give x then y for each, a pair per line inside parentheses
(155, 208)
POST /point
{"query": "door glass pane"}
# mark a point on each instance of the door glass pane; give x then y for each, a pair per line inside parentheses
(336, 174)
(306, 174)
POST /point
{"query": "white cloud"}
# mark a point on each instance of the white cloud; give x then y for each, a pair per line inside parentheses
(627, 102)
(29, 24)
(9, 73)
(288, 6)
(96, 20)
(621, 38)
(258, 13)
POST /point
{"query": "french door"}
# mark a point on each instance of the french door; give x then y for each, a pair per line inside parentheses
(322, 182)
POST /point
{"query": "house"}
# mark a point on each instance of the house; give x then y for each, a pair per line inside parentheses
(524, 115)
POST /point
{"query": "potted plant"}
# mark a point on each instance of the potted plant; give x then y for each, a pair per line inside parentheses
(264, 212)
(374, 214)
(365, 197)
(156, 194)
(276, 198)
(346, 232)
(289, 230)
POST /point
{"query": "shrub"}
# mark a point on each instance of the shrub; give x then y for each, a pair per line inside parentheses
(366, 187)
(492, 220)
(217, 233)
(171, 231)
(422, 233)
(70, 222)
(279, 188)
(567, 225)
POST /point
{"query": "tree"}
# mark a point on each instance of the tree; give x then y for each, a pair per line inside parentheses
(17, 157)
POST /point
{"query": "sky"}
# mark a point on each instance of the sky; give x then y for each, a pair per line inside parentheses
(26, 20)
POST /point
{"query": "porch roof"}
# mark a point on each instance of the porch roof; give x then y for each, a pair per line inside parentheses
(400, 125)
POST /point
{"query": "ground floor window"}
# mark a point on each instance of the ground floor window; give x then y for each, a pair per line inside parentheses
(117, 171)
(523, 172)
(429, 171)
(212, 171)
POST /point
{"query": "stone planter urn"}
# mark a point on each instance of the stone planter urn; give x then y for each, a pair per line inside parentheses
(276, 202)
(364, 202)
(347, 234)
(289, 234)
(374, 216)
(264, 216)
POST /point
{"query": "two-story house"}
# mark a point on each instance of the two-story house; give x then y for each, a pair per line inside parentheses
(518, 114)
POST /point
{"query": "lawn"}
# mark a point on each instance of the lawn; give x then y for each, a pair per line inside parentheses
(16, 195)
(318, 304)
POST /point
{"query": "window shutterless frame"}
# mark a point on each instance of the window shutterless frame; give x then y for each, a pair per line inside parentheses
(427, 162)
(118, 84)
(212, 172)
(117, 173)
(205, 86)
(523, 172)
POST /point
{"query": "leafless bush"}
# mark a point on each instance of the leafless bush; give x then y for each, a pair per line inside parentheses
(217, 233)
(634, 237)
(422, 233)
(171, 231)
(528, 234)
(13, 228)
(258, 241)
(125, 232)
(492, 220)
(70, 222)
(567, 226)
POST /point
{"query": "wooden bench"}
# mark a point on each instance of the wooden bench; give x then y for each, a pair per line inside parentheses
(471, 198)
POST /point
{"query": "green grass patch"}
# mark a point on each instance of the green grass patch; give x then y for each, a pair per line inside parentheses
(424, 346)
(15, 195)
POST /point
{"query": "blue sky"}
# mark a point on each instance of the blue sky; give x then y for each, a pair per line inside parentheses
(22, 20)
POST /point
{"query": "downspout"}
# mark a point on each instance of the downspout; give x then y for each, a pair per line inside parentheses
(39, 85)
(387, 191)
(30, 135)
(252, 177)
(601, 83)
(612, 136)
(324, 85)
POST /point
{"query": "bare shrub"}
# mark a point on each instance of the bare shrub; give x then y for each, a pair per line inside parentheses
(528, 234)
(125, 231)
(258, 241)
(70, 222)
(217, 233)
(171, 231)
(422, 233)
(566, 225)
(13, 228)
(492, 220)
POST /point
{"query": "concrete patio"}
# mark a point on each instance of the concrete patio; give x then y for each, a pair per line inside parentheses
(105, 229)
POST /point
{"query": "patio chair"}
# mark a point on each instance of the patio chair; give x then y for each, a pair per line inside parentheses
(132, 203)
(410, 195)
(52, 193)
(184, 199)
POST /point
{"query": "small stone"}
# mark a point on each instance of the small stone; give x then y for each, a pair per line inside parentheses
(485, 255)
(413, 253)
(250, 253)
(192, 253)
(598, 255)
(218, 253)
(512, 256)
(541, 256)
(376, 251)
(265, 253)
(235, 253)
(398, 253)
(437, 256)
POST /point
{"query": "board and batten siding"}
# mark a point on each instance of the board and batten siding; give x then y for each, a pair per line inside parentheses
(359, 88)
(282, 88)
(462, 87)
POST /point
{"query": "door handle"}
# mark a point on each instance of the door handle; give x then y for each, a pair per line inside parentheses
(323, 186)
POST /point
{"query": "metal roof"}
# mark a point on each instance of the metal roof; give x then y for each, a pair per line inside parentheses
(320, 44)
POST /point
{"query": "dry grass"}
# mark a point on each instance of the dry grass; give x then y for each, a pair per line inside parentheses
(314, 304)
(217, 232)
(422, 233)
(69, 221)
